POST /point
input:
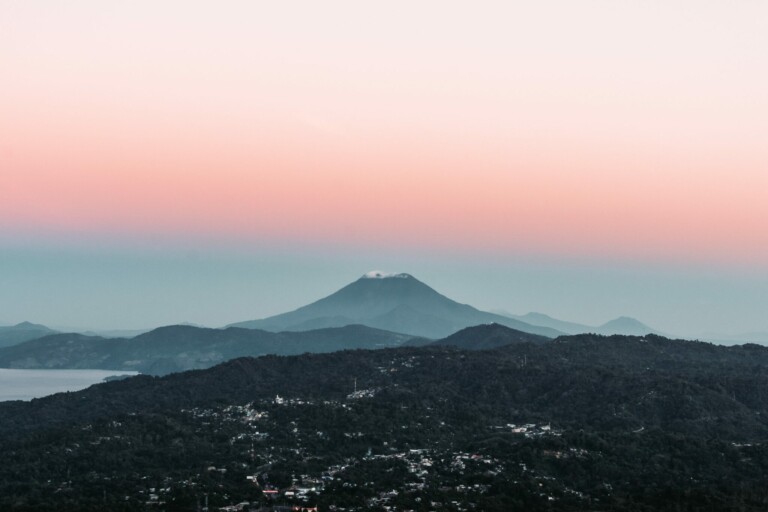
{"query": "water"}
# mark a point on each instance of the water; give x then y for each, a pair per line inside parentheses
(29, 384)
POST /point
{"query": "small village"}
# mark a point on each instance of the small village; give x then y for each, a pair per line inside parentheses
(299, 453)
(429, 470)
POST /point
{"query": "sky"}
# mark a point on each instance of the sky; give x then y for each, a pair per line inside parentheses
(213, 162)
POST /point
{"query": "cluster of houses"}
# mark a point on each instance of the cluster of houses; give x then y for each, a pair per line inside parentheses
(301, 488)
(430, 469)
(529, 429)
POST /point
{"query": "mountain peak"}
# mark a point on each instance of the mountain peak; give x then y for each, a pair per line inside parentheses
(625, 325)
(389, 301)
(30, 325)
(378, 274)
(624, 320)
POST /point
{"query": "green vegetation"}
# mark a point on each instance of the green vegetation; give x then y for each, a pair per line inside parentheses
(580, 423)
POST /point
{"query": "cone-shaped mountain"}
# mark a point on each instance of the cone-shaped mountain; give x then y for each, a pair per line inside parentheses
(627, 326)
(394, 302)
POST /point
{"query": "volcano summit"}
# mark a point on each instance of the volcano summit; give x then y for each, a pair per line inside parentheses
(393, 302)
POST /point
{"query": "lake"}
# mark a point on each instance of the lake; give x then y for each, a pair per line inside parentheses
(29, 384)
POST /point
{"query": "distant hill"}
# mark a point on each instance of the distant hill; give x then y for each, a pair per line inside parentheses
(393, 302)
(554, 323)
(623, 325)
(488, 336)
(19, 333)
(626, 326)
(177, 348)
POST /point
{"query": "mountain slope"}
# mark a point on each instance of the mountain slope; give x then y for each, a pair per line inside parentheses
(178, 348)
(553, 371)
(580, 423)
(394, 302)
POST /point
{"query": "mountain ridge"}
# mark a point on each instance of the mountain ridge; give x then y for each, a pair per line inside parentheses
(177, 347)
(394, 302)
(623, 325)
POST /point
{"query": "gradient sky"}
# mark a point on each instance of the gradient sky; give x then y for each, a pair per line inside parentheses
(220, 161)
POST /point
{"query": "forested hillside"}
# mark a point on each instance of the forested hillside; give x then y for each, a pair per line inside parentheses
(580, 423)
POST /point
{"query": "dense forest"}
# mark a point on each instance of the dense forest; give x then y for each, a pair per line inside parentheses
(579, 423)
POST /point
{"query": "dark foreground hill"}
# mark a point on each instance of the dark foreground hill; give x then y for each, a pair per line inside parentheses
(579, 423)
(179, 347)
(393, 302)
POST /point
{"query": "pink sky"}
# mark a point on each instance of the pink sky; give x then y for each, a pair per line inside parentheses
(630, 129)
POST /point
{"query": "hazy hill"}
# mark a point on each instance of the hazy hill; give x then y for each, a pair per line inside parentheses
(626, 326)
(178, 348)
(488, 336)
(638, 373)
(554, 323)
(25, 331)
(393, 302)
(623, 325)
